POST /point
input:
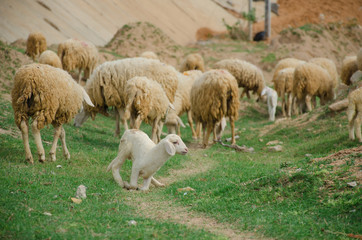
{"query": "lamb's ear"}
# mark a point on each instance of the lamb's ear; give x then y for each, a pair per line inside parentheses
(170, 148)
(179, 120)
(86, 98)
(223, 123)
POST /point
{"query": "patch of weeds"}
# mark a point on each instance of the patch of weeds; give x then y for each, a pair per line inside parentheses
(270, 58)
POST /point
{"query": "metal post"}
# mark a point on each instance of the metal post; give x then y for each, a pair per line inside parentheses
(267, 18)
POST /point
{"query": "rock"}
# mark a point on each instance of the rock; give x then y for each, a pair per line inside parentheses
(186, 189)
(274, 142)
(352, 184)
(81, 192)
(47, 213)
(276, 148)
(308, 155)
(76, 200)
(132, 223)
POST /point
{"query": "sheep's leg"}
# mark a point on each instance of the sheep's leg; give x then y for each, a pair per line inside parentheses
(37, 137)
(308, 100)
(64, 144)
(24, 127)
(357, 126)
(157, 183)
(137, 122)
(198, 131)
(189, 118)
(155, 129)
(53, 149)
(117, 131)
(79, 75)
(248, 95)
(214, 134)
(146, 184)
(284, 106)
(159, 130)
(351, 118)
(207, 133)
(124, 120)
(232, 125)
(289, 105)
(243, 93)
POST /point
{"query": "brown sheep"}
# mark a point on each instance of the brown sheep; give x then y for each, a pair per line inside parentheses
(354, 113)
(193, 61)
(51, 58)
(214, 96)
(35, 45)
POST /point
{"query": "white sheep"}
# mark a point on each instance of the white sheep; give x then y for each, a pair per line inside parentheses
(77, 54)
(354, 113)
(51, 58)
(248, 76)
(182, 103)
(193, 61)
(35, 45)
(272, 101)
(48, 95)
(311, 80)
(214, 96)
(146, 101)
(283, 84)
(349, 66)
(147, 157)
(106, 86)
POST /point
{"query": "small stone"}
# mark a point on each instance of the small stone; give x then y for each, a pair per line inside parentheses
(81, 192)
(261, 140)
(59, 166)
(274, 142)
(308, 155)
(276, 148)
(205, 155)
(132, 223)
(47, 213)
(352, 184)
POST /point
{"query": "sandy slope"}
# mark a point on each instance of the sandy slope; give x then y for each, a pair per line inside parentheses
(97, 21)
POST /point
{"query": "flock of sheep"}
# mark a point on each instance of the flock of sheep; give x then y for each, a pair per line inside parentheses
(146, 89)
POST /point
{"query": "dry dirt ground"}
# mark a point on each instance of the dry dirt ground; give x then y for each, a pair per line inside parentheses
(332, 40)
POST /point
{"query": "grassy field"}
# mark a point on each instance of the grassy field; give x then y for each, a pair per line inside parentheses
(282, 195)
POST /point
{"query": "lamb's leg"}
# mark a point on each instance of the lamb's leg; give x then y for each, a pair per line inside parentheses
(116, 166)
(64, 144)
(232, 125)
(271, 113)
(207, 133)
(24, 128)
(37, 137)
(308, 99)
(146, 184)
(53, 149)
(157, 183)
(351, 118)
(189, 118)
(357, 126)
(134, 177)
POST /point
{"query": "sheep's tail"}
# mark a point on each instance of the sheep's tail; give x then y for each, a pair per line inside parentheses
(86, 97)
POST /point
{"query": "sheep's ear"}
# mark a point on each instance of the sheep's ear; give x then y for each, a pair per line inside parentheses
(170, 148)
(179, 120)
(86, 98)
(263, 92)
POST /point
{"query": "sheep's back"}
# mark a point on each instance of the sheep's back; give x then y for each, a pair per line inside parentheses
(328, 65)
(286, 63)
(45, 93)
(349, 66)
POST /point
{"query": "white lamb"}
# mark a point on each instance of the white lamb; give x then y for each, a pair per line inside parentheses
(147, 157)
(272, 100)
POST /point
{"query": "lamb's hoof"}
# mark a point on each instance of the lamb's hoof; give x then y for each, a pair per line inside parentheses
(52, 157)
(29, 160)
(67, 155)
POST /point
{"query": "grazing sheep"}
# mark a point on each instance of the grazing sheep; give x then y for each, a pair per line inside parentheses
(328, 65)
(51, 58)
(283, 84)
(214, 96)
(248, 76)
(354, 113)
(48, 95)
(150, 55)
(311, 80)
(35, 45)
(349, 66)
(147, 157)
(76, 54)
(146, 100)
(106, 86)
(359, 59)
(286, 63)
(272, 100)
(182, 103)
(193, 61)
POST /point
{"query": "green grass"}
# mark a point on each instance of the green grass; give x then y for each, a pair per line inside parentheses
(261, 191)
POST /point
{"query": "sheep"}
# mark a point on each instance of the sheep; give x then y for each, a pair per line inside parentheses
(283, 84)
(354, 113)
(51, 58)
(146, 100)
(193, 61)
(349, 66)
(182, 103)
(147, 157)
(106, 86)
(76, 54)
(285, 63)
(272, 100)
(328, 65)
(35, 45)
(150, 55)
(214, 96)
(312, 80)
(47, 95)
(248, 76)
(359, 59)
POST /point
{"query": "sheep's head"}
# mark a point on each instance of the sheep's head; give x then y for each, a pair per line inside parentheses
(174, 144)
(81, 117)
(173, 122)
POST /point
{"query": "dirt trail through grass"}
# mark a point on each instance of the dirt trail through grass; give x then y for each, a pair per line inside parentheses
(154, 206)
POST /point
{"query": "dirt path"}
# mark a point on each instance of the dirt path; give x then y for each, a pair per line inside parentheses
(156, 207)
